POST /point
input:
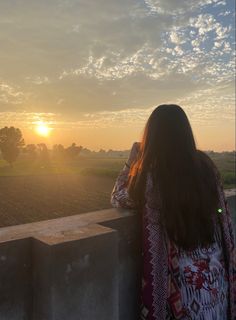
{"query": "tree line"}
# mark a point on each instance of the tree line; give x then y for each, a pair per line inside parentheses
(12, 144)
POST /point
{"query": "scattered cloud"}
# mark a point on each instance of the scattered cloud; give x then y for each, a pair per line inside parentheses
(37, 80)
(10, 94)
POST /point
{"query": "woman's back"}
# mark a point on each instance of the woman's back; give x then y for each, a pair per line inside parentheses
(203, 281)
(201, 275)
(194, 282)
(197, 279)
(177, 190)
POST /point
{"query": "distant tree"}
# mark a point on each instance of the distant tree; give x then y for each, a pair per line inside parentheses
(10, 142)
(72, 151)
(102, 153)
(85, 151)
(43, 153)
(31, 150)
(58, 151)
(110, 153)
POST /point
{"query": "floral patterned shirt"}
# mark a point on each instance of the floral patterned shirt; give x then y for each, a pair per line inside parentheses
(203, 282)
(200, 274)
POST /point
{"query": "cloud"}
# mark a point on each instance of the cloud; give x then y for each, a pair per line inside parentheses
(10, 94)
(211, 106)
(183, 7)
(220, 3)
(38, 80)
(226, 13)
(176, 38)
(72, 57)
(25, 119)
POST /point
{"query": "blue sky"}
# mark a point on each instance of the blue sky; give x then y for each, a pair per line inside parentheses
(99, 67)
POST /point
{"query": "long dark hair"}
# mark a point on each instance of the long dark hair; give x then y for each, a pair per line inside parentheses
(184, 178)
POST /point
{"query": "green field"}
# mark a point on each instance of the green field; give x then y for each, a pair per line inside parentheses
(106, 167)
(225, 162)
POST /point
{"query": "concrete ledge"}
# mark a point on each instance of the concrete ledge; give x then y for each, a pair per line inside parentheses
(61, 224)
(79, 267)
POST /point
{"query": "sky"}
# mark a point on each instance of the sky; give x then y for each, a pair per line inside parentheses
(93, 71)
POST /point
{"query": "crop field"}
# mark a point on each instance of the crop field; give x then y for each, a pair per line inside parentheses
(35, 191)
(33, 198)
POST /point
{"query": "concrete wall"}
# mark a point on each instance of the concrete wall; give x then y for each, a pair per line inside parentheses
(83, 267)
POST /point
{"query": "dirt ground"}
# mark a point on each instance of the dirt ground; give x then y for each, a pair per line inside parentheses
(26, 199)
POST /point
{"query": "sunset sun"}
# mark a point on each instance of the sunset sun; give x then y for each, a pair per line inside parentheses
(42, 129)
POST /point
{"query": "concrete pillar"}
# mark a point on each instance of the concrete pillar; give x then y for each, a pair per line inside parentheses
(76, 275)
(129, 244)
(15, 280)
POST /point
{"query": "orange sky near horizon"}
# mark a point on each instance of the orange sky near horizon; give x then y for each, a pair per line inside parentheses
(207, 138)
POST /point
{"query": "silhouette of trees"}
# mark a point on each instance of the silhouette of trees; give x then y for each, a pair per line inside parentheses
(70, 153)
(43, 154)
(10, 142)
(73, 151)
(58, 151)
(31, 150)
(86, 152)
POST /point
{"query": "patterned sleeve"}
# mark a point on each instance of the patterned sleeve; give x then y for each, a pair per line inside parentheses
(227, 217)
(120, 197)
(229, 240)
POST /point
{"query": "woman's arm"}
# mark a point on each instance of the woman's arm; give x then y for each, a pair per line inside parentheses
(120, 197)
(226, 215)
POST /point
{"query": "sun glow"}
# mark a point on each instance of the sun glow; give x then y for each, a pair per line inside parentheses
(42, 129)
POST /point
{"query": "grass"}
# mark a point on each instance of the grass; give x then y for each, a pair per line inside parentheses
(109, 167)
(102, 167)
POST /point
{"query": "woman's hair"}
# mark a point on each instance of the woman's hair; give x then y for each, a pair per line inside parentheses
(184, 178)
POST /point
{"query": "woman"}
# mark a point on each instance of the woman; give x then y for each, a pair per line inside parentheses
(188, 249)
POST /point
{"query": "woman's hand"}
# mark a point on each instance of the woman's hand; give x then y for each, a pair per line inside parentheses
(133, 153)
